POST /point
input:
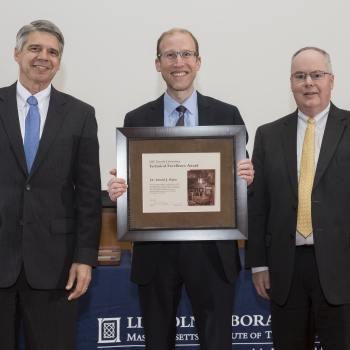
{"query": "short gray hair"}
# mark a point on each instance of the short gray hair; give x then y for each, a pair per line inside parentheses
(40, 26)
(323, 52)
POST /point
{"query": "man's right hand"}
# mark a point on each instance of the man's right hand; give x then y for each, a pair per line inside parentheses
(261, 282)
(116, 186)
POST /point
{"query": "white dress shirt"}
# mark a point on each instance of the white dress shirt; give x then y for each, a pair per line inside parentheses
(320, 125)
(43, 98)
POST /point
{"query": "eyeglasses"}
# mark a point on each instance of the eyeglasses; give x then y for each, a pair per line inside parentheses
(172, 55)
(300, 77)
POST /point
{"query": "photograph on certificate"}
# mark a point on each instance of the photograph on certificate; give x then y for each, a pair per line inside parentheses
(201, 188)
(181, 182)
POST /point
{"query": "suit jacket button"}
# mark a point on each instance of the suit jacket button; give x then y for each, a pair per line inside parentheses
(292, 235)
(28, 187)
(21, 222)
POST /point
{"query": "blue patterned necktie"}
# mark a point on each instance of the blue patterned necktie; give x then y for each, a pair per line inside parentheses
(32, 131)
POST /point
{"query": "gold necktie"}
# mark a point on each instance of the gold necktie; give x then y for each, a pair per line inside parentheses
(306, 181)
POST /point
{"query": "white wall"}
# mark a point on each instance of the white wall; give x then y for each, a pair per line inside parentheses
(246, 47)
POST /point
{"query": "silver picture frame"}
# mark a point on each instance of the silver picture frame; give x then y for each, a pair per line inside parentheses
(159, 227)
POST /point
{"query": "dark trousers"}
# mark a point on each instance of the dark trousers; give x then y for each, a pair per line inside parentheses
(210, 294)
(49, 319)
(307, 312)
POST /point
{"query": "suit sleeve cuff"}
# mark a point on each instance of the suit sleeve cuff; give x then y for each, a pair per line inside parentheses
(259, 269)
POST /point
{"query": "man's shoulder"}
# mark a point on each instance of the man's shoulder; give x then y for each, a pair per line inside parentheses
(69, 100)
(214, 103)
(203, 100)
(149, 114)
(152, 113)
(60, 97)
(345, 111)
(6, 90)
(335, 110)
(159, 102)
(215, 112)
(278, 123)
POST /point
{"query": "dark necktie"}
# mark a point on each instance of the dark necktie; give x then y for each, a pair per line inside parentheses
(181, 110)
(32, 132)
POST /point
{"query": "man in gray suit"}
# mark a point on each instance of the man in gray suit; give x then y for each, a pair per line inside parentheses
(299, 240)
(50, 197)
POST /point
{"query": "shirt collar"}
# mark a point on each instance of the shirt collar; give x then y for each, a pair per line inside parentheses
(23, 94)
(321, 118)
(190, 103)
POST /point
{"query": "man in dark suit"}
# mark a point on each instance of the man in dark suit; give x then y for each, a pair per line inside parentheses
(50, 202)
(299, 241)
(209, 269)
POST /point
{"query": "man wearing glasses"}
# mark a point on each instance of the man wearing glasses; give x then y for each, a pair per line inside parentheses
(299, 228)
(209, 269)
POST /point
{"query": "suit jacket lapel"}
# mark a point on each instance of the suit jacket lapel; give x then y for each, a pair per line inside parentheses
(332, 134)
(289, 141)
(205, 115)
(9, 116)
(156, 114)
(55, 115)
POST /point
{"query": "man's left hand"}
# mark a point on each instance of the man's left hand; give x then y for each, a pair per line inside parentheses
(81, 273)
(245, 170)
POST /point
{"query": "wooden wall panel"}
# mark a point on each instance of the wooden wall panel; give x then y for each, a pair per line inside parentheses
(109, 229)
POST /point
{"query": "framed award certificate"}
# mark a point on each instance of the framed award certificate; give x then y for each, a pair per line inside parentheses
(182, 183)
